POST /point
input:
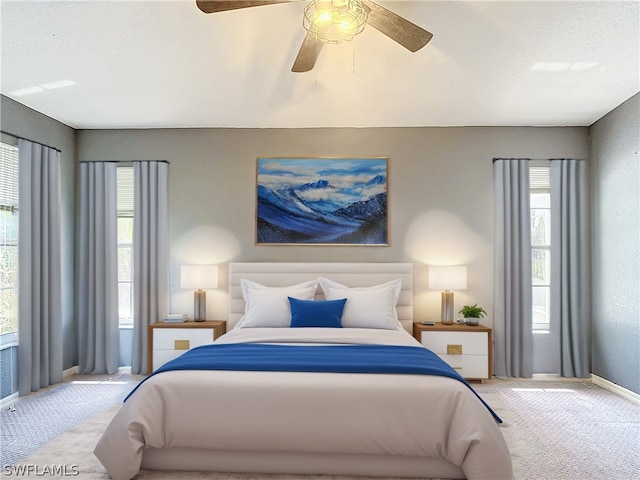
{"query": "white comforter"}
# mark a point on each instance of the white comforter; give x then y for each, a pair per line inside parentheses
(379, 414)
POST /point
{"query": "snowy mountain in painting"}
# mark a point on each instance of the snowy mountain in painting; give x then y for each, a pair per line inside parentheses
(377, 180)
(315, 213)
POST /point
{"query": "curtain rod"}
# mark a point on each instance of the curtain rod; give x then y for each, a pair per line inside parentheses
(123, 161)
(30, 140)
(537, 159)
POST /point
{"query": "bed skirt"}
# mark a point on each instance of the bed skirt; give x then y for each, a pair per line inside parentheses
(189, 459)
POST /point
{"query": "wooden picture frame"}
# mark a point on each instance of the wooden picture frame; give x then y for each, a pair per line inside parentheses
(322, 201)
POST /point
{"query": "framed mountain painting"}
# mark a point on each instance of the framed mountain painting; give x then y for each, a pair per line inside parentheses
(321, 201)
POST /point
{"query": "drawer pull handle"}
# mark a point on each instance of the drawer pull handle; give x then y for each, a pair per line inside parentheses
(457, 368)
(454, 349)
(181, 344)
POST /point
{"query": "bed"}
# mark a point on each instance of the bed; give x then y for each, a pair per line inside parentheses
(310, 400)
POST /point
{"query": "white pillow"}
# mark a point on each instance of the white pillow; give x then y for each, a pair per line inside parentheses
(366, 307)
(269, 306)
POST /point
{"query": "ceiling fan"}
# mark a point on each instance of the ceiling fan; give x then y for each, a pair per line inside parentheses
(335, 21)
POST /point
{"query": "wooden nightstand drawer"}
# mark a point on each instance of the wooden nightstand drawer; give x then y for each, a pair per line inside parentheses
(469, 366)
(470, 343)
(167, 341)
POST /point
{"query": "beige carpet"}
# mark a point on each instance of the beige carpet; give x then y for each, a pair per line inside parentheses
(74, 448)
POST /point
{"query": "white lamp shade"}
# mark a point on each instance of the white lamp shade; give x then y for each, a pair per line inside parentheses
(448, 277)
(198, 276)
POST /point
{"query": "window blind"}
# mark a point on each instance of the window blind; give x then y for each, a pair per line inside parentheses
(124, 179)
(539, 179)
(8, 177)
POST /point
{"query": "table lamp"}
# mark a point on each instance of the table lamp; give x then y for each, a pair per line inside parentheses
(199, 277)
(447, 278)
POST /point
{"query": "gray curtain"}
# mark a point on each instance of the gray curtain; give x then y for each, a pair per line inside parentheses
(150, 255)
(570, 273)
(98, 337)
(512, 269)
(39, 264)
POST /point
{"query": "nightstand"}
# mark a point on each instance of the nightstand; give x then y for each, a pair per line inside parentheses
(166, 341)
(467, 349)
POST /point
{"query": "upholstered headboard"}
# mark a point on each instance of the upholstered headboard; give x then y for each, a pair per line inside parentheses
(350, 274)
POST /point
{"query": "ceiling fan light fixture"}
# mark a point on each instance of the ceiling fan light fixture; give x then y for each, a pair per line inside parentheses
(334, 21)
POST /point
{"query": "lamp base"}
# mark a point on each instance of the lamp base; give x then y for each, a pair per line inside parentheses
(199, 306)
(447, 307)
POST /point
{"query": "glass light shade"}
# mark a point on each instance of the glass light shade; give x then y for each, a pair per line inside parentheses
(198, 276)
(448, 277)
(334, 21)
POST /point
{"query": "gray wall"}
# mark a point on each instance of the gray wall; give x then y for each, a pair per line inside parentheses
(24, 122)
(615, 141)
(440, 195)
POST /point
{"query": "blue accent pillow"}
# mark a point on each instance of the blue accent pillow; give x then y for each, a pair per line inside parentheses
(321, 313)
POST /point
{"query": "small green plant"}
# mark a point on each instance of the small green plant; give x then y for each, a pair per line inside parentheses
(472, 311)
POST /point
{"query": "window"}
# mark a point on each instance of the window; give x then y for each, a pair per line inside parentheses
(125, 245)
(540, 247)
(8, 239)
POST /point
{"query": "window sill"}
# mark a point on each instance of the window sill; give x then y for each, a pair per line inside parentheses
(8, 340)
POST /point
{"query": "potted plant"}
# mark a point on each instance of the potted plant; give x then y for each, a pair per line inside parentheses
(472, 314)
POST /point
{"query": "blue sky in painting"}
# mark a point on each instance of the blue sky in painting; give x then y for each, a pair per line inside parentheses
(347, 180)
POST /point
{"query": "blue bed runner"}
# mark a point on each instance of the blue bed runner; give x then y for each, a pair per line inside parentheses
(260, 357)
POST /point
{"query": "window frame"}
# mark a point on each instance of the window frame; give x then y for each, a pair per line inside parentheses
(541, 185)
(124, 197)
(9, 203)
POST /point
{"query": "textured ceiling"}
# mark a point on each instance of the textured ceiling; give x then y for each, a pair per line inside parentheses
(146, 64)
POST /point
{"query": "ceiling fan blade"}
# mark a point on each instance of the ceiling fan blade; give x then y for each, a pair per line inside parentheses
(214, 6)
(409, 35)
(307, 55)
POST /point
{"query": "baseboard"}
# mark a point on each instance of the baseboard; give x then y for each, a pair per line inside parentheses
(70, 371)
(615, 388)
(9, 400)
